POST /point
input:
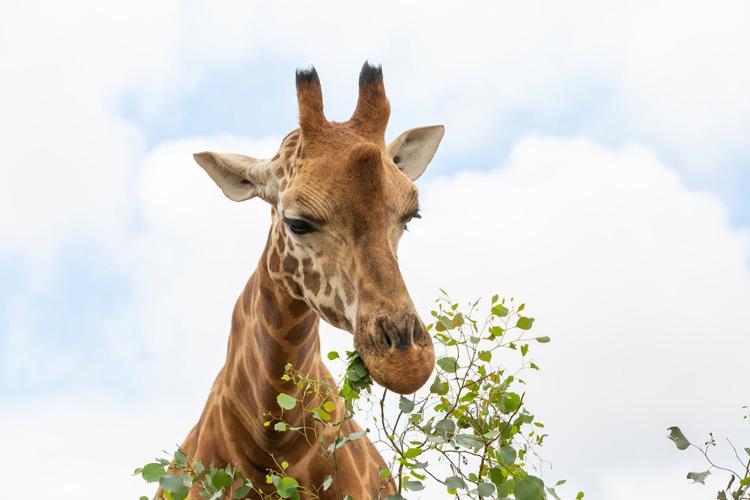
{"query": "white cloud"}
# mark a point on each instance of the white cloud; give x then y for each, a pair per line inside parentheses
(665, 74)
(67, 156)
(85, 446)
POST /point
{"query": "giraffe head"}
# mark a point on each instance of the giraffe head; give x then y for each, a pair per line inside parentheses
(341, 200)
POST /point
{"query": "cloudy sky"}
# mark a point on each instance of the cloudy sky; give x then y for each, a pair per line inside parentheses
(596, 164)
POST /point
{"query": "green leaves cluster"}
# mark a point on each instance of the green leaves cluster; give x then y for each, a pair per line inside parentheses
(738, 487)
(472, 419)
(178, 475)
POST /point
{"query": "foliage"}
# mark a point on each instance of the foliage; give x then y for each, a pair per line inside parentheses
(738, 487)
(469, 431)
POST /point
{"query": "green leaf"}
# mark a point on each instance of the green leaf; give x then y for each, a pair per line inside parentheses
(329, 406)
(506, 455)
(412, 453)
(496, 475)
(384, 474)
(458, 319)
(510, 402)
(198, 466)
(180, 458)
(467, 441)
(395, 496)
(676, 435)
(333, 355)
(405, 405)
(242, 491)
(446, 322)
(327, 481)
(524, 323)
(439, 388)
(747, 450)
(220, 479)
(280, 426)
(285, 401)
(356, 370)
(699, 477)
(414, 485)
(529, 488)
(552, 492)
(321, 414)
(485, 356)
(174, 484)
(287, 487)
(152, 472)
(496, 331)
(499, 310)
(448, 364)
(579, 496)
(445, 426)
(542, 340)
(357, 435)
(455, 482)
(485, 489)
(721, 496)
(338, 443)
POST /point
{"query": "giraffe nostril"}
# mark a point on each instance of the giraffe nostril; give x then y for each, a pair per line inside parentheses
(387, 338)
(384, 331)
(402, 335)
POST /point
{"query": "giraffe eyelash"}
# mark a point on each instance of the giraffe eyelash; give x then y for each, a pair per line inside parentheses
(414, 215)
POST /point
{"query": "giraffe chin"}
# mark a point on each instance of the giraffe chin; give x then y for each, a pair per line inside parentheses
(401, 371)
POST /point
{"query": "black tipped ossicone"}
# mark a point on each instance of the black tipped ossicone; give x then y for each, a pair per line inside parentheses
(310, 100)
(370, 74)
(307, 75)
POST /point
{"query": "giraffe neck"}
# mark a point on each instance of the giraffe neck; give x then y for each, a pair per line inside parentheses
(270, 328)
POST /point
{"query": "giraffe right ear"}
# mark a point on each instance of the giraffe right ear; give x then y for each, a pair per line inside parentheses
(240, 177)
(413, 150)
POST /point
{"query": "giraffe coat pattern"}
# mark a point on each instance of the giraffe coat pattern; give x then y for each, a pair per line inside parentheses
(340, 200)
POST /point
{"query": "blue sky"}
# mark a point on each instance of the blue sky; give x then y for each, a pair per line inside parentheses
(118, 257)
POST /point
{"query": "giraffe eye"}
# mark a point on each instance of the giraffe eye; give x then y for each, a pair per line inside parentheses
(298, 226)
(408, 218)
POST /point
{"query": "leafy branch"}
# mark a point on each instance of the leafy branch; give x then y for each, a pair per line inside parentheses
(738, 487)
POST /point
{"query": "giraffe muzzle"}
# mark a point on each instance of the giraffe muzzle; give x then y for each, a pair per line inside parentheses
(398, 354)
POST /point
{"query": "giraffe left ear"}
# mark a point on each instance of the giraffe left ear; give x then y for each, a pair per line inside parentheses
(413, 150)
(240, 177)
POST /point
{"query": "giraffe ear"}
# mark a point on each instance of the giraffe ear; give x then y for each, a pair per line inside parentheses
(413, 150)
(239, 177)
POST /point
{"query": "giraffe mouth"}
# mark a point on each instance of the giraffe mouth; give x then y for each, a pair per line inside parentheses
(403, 372)
(399, 360)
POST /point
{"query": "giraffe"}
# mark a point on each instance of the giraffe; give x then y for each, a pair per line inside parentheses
(340, 200)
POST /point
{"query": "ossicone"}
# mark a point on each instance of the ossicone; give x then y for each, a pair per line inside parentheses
(309, 100)
(373, 109)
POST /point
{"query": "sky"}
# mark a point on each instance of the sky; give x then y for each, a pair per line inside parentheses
(596, 165)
